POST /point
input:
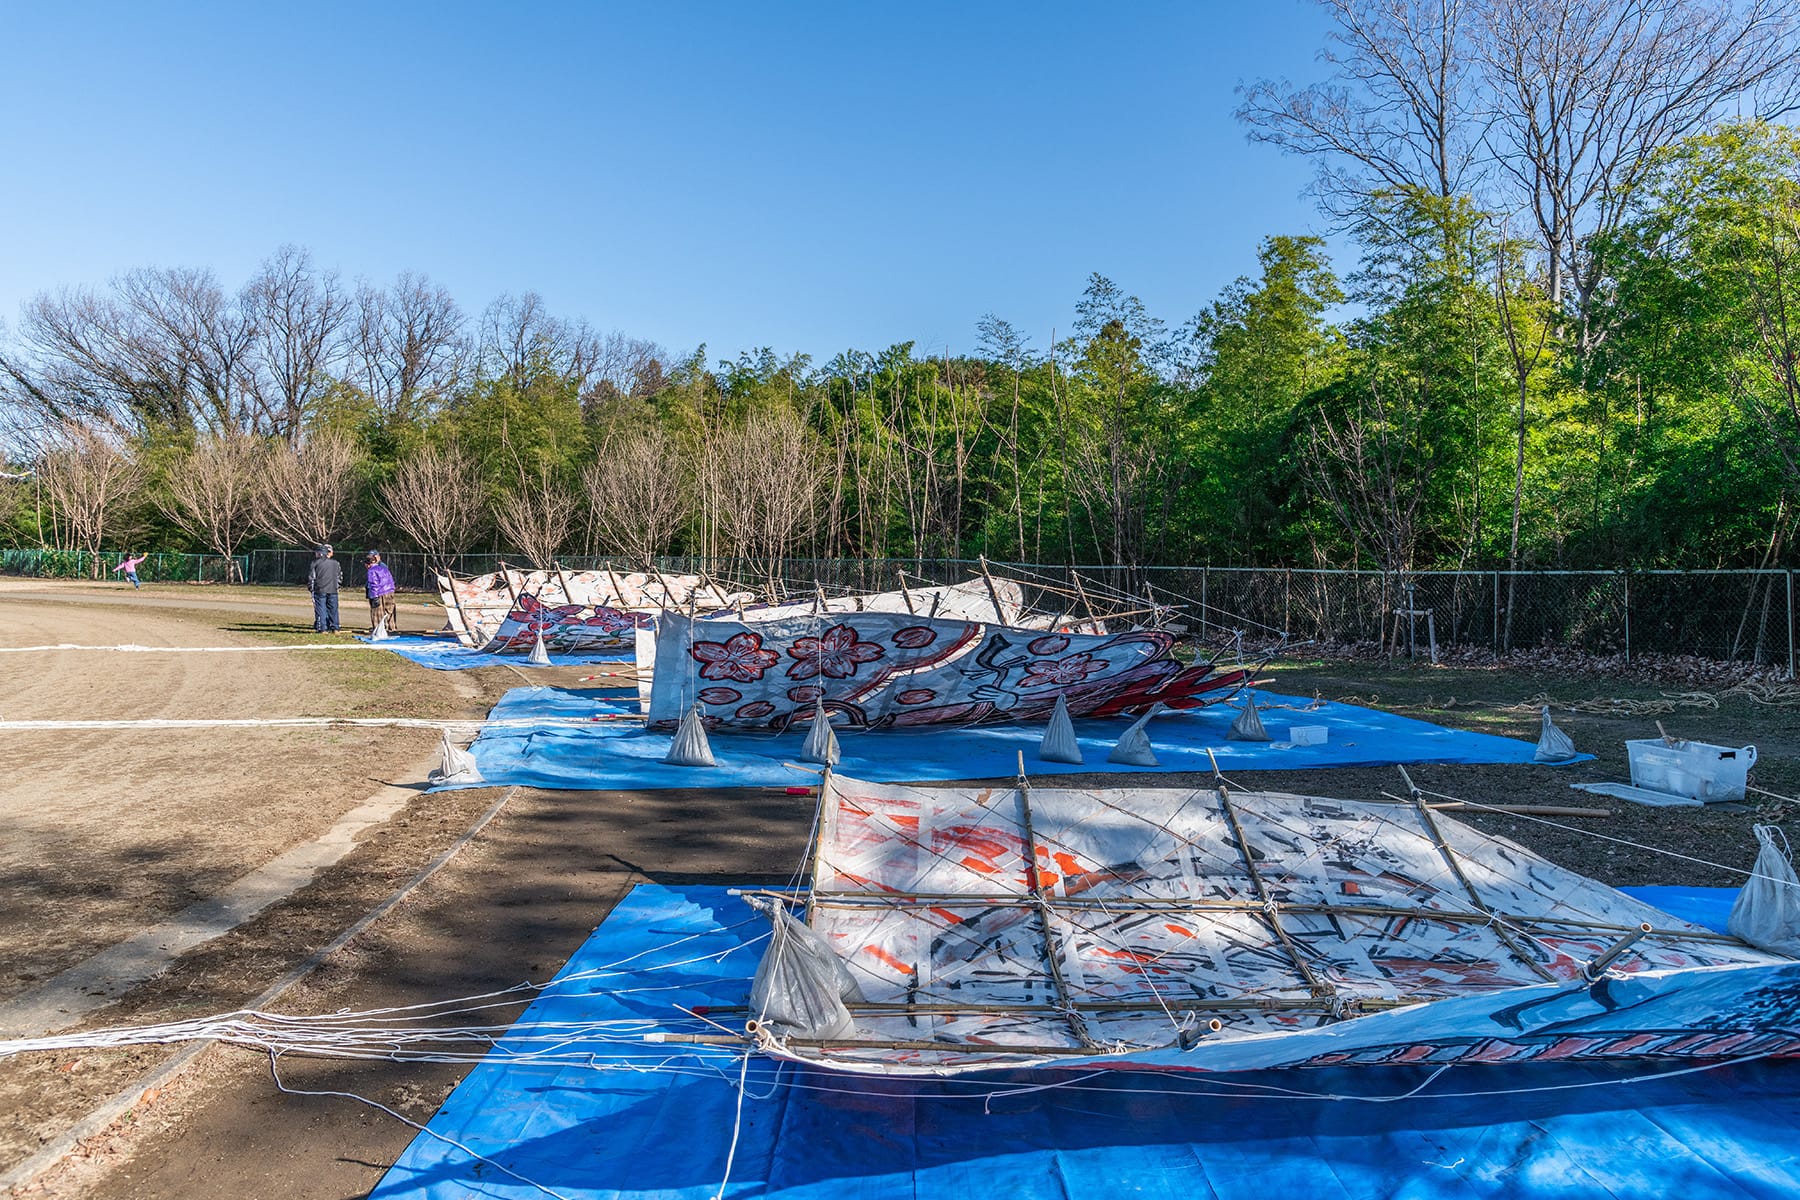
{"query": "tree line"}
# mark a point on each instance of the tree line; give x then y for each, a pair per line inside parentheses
(1565, 334)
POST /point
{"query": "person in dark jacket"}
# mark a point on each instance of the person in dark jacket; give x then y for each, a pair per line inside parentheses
(379, 584)
(322, 580)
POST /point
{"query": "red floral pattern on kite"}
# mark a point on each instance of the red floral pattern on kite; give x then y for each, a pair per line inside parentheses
(1062, 672)
(720, 696)
(836, 655)
(915, 637)
(740, 657)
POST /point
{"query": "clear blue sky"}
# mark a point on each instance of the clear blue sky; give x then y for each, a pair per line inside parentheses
(809, 176)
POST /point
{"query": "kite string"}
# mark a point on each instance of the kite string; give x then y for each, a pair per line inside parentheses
(737, 1125)
(1688, 858)
(275, 1073)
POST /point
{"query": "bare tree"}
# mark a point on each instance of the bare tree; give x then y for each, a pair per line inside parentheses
(1586, 91)
(1550, 107)
(405, 345)
(763, 481)
(622, 368)
(299, 313)
(437, 498)
(538, 516)
(1369, 460)
(188, 315)
(89, 480)
(519, 339)
(307, 490)
(213, 492)
(1397, 112)
(12, 499)
(162, 347)
(638, 494)
(90, 358)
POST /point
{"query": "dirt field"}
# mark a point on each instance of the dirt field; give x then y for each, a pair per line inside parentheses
(129, 827)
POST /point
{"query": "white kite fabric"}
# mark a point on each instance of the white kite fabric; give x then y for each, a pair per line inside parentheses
(996, 601)
(506, 611)
(880, 670)
(1222, 930)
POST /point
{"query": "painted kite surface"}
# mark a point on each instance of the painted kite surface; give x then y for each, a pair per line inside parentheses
(566, 628)
(897, 670)
(1200, 930)
(495, 611)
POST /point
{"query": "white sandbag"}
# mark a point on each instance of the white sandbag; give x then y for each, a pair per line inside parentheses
(1248, 726)
(1059, 744)
(380, 633)
(800, 985)
(539, 657)
(821, 740)
(690, 747)
(1767, 912)
(1134, 744)
(1553, 744)
(455, 765)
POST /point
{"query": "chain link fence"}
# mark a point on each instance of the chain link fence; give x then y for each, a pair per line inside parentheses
(1733, 616)
(156, 568)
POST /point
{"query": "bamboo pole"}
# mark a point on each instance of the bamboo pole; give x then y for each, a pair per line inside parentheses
(461, 616)
(1468, 885)
(993, 592)
(904, 593)
(1318, 986)
(1077, 1024)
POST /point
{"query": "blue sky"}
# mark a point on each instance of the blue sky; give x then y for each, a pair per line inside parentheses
(807, 176)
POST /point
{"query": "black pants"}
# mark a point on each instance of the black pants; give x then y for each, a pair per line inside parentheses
(325, 614)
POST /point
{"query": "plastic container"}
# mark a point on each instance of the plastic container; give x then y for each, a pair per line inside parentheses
(1697, 769)
(1310, 735)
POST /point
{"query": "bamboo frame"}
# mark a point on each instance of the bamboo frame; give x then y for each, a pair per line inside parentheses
(1468, 885)
(1052, 956)
(1272, 910)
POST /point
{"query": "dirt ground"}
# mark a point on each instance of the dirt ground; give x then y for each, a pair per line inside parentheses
(528, 890)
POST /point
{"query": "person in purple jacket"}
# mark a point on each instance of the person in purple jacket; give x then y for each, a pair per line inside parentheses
(380, 586)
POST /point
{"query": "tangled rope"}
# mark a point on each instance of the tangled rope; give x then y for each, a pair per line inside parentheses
(1775, 695)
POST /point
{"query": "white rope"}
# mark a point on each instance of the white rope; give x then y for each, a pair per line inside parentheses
(737, 1125)
(1687, 858)
(454, 725)
(133, 649)
(275, 1073)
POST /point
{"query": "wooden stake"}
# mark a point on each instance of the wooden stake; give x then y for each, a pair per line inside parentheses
(993, 592)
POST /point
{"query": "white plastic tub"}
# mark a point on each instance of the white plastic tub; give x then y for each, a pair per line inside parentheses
(1697, 769)
(1308, 735)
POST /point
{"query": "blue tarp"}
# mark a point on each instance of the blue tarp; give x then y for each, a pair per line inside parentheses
(1537, 1132)
(1710, 907)
(444, 653)
(615, 752)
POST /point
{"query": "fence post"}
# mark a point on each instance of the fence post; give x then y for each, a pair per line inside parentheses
(1790, 623)
(1206, 574)
(1627, 619)
(1496, 612)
